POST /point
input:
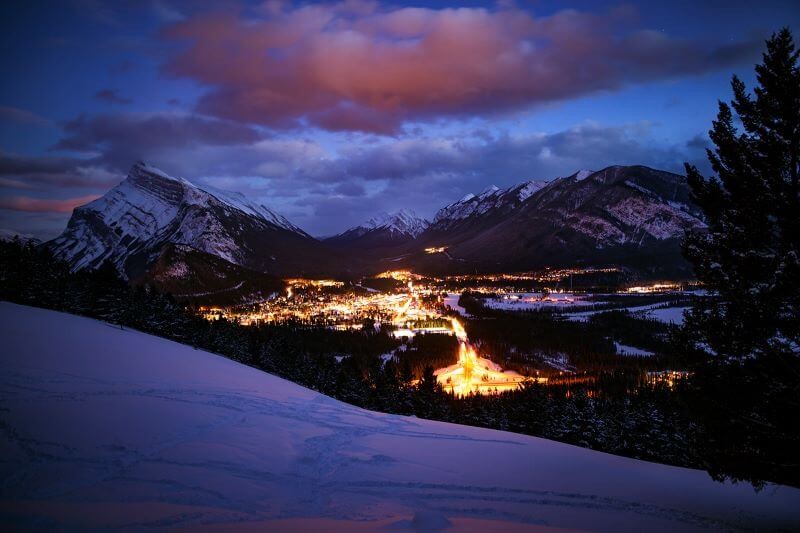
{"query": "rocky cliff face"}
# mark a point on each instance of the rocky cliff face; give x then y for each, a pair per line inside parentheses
(131, 224)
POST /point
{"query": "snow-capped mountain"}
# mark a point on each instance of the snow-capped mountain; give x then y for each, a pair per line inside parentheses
(382, 230)
(130, 225)
(8, 235)
(404, 222)
(631, 216)
(634, 216)
(491, 200)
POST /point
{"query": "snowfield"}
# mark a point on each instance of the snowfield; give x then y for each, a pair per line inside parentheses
(102, 427)
(624, 349)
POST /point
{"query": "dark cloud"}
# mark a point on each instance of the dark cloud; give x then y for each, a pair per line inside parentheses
(358, 66)
(699, 142)
(350, 189)
(111, 96)
(328, 191)
(121, 139)
(427, 173)
(40, 172)
(21, 116)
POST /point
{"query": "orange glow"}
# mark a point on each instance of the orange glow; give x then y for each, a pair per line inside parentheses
(473, 373)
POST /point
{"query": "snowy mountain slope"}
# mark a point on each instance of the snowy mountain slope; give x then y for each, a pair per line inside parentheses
(491, 200)
(384, 229)
(132, 222)
(404, 221)
(631, 216)
(10, 235)
(103, 427)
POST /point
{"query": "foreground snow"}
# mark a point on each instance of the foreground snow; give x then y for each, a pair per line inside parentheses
(103, 427)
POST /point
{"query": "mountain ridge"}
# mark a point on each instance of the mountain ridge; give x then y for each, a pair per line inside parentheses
(383, 229)
(632, 216)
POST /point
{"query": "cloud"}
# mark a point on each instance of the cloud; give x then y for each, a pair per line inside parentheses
(358, 66)
(165, 12)
(123, 138)
(353, 189)
(111, 96)
(43, 205)
(38, 172)
(427, 173)
(21, 116)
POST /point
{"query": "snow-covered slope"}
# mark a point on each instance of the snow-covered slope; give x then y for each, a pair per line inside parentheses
(492, 199)
(109, 428)
(404, 221)
(131, 223)
(25, 238)
(382, 230)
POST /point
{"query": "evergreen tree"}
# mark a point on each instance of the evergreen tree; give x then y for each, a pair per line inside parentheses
(747, 392)
(750, 255)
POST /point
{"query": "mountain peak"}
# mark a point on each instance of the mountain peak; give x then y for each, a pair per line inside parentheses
(403, 221)
(131, 222)
(383, 229)
(467, 197)
(140, 169)
(488, 191)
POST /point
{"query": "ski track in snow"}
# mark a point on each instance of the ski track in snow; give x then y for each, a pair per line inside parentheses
(105, 427)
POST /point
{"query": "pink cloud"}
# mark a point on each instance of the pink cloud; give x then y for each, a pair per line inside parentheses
(357, 66)
(43, 205)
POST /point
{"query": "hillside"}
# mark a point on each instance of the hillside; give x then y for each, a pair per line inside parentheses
(199, 278)
(104, 427)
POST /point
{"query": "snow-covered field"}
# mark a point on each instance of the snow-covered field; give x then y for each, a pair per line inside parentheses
(624, 349)
(668, 315)
(532, 301)
(566, 303)
(102, 427)
(451, 300)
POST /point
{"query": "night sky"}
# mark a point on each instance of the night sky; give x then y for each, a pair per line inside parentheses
(330, 113)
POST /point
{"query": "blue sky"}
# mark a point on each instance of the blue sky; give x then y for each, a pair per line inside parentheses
(332, 112)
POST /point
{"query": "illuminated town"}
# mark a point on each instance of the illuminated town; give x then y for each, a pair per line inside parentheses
(410, 304)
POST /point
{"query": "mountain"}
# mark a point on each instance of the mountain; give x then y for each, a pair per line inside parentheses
(201, 278)
(24, 238)
(629, 216)
(632, 216)
(385, 229)
(131, 224)
(489, 203)
(106, 428)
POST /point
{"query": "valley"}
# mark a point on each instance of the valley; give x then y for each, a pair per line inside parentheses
(407, 266)
(405, 305)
